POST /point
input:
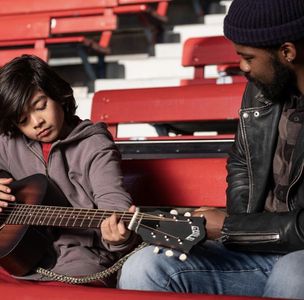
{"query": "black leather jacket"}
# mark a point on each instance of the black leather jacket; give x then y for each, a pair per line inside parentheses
(248, 226)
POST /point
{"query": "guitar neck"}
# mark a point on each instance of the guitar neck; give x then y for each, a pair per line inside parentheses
(40, 215)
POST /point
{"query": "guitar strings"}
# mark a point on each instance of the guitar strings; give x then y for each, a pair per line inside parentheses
(160, 231)
(98, 214)
(151, 228)
(31, 211)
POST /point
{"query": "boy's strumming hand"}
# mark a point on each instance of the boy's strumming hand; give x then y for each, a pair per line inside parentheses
(5, 192)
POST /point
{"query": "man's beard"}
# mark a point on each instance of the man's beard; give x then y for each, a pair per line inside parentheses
(283, 82)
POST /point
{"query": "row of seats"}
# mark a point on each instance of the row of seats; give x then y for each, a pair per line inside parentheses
(34, 26)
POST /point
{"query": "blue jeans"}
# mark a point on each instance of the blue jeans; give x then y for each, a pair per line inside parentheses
(213, 269)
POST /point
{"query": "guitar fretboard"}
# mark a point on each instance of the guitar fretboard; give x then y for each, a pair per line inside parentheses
(23, 214)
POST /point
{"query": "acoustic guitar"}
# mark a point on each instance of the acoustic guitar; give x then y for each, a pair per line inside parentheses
(40, 205)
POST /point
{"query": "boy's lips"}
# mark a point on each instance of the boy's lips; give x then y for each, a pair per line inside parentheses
(44, 132)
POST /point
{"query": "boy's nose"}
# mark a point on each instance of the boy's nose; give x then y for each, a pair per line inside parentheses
(37, 121)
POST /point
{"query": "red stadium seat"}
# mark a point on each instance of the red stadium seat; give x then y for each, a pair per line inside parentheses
(206, 51)
(167, 105)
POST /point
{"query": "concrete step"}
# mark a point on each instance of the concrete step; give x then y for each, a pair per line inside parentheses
(153, 67)
(136, 131)
(226, 3)
(169, 50)
(84, 107)
(83, 101)
(118, 57)
(214, 19)
(116, 84)
(198, 30)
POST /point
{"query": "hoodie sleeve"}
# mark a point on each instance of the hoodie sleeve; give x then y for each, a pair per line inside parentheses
(107, 185)
(4, 159)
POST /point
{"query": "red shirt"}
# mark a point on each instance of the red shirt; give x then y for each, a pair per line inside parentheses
(46, 147)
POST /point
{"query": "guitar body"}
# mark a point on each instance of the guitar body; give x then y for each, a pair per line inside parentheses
(23, 246)
(40, 204)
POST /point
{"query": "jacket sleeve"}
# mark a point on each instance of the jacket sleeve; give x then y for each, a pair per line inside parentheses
(265, 232)
(250, 229)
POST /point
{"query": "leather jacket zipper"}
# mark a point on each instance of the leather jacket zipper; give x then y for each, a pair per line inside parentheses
(292, 184)
(251, 237)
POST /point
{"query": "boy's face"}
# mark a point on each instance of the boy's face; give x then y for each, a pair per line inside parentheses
(42, 119)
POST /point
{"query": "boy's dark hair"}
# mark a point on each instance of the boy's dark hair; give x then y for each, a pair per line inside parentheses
(19, 79)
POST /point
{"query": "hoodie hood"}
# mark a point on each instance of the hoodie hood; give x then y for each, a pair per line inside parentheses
(85, 129)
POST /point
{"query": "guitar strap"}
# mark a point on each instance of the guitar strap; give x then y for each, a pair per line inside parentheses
(99, 276)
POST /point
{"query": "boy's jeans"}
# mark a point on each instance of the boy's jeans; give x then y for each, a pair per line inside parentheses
(213, 269)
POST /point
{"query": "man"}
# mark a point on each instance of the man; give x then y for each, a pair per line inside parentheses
(257, 248)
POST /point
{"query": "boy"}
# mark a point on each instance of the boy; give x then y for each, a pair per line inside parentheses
(40, 133)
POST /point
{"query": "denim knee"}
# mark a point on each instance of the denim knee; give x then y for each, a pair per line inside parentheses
(286, 278)
(143, 271)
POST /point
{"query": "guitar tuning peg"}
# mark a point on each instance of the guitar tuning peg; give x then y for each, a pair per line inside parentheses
(169, 253)
(183, 257)
(173, 212)
(156, 250)
(187, 214)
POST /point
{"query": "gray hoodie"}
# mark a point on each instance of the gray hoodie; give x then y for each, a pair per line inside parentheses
(86, 167)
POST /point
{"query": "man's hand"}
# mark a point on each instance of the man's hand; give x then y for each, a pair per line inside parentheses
(5, 192)
(114, 231)
(214, 220)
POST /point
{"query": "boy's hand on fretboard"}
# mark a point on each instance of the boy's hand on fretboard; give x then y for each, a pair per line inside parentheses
(114, 230)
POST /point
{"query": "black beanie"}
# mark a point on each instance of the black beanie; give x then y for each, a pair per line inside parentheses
(264, 23)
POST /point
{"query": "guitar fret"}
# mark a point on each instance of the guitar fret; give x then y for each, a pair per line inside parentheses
(41, 212)
(71, 217)
(46, 215)
(57, 214)
(76, 217)
(36, 217)
(93, 219)
(16, 215)
(29, 217)
(102, 218)
(50, 217)
(23, 212)
(122, 215)
(16, 210)
(62, 216)
(86, 217)
(10, 219)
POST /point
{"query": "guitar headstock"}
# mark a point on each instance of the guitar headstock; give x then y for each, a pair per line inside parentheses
(171, 231)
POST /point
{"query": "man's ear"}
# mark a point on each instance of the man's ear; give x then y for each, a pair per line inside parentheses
(288, 52)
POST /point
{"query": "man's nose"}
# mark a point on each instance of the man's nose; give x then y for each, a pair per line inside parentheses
(244, 66)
